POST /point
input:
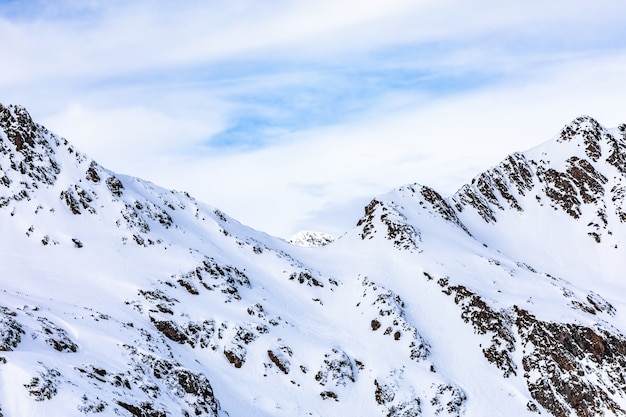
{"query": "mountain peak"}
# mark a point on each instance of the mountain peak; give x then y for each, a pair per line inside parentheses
(27, 155)
(123, 298)
(307, 238)
(18, 126)
(587, 131)
(42, 169)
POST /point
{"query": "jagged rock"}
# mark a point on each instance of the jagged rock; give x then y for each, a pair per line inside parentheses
(306, 278)
(383, 393)
(329, 395)
(145, 409)
(396, 229)
(470, 196)
(10, 330)
(115, 186)
(485, 320)
(44, 386)
(194, 388)
(440, 206)
(391, 317)
(92, 173)
(410, 408)
(33, 156)
(170, 330)
(212, 276)
(448, 399)
(561, 360)
(280, 357)
(337, 369)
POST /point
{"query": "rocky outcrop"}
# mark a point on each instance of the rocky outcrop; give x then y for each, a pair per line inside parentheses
(486, 320)
(576, 185)
(10, 330)
(392, 224)
(390, 320)
(572, 368)
(27, 152)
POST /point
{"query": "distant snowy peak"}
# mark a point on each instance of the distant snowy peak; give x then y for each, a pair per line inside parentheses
(307, 238)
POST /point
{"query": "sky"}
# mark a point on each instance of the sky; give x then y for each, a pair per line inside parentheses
(292, 115)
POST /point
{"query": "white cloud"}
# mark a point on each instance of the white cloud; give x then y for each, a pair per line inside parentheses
(120, 135)
(360, 96)
(442, 144)
(116, 38)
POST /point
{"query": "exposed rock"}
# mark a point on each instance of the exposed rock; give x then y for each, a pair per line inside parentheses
(213, 292)
(305, 277)
(449, 400)
(10, 330)
(337, 369)
(78, 199)
(115, 186)
(329, 395)
(170, 330)
(235, 348)
(390, 308)
(56, 337)
(33, 157)
(440, 206)
(384, 393)
(470, 196)
(194, 388)
(144, 409)
(44, 386)
(213, 276)
(396, 229)
(561, 361)
(92, 173)
(485, 320)
(280, 357)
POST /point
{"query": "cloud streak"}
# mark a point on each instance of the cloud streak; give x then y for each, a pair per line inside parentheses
(293, 107)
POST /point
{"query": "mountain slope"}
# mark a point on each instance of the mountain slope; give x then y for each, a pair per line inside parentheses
(122, 298)
(548, 222)
(581, 174)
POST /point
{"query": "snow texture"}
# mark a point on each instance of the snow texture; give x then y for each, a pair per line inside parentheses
(121, 298)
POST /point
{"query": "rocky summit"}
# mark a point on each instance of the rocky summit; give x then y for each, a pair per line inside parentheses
(121, 298)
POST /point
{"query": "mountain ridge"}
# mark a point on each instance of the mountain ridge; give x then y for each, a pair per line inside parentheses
(122, 298)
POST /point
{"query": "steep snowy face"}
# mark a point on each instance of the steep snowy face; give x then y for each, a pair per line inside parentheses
(531, 253)
(559, 207)
(554, 205)
(580, 173)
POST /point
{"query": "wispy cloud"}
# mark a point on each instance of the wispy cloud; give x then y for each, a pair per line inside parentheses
(295, 107)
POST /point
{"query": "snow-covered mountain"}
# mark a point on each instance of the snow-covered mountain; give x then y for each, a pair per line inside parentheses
(309, 239)
(121, 298)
